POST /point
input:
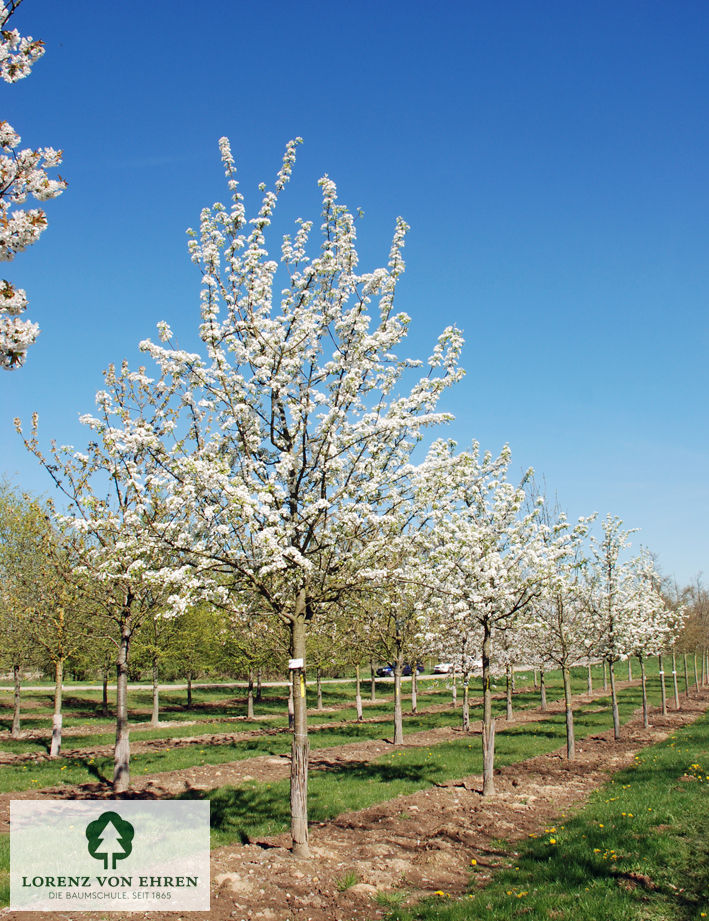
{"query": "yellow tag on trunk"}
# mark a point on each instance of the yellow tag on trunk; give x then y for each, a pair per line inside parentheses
(302, 686)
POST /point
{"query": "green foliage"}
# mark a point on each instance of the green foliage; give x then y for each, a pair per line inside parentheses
(347, 881)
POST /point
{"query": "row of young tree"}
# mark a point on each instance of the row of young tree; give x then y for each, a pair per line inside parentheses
(273, 476)
(584, 609)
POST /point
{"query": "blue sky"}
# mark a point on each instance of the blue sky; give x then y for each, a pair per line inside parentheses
(551, 158)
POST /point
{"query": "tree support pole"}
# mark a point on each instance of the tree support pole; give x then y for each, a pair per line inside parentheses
(56, 744)
(663, 689)
(300, 745)
(614, 703)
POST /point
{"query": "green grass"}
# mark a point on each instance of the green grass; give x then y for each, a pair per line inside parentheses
(638, 851)
(78, 769)
(347, 881)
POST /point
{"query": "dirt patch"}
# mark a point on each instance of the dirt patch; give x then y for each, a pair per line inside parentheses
(417, 844)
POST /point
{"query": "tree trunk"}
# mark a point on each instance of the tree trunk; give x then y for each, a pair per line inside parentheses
(705, 667)
(605, 675)
(56, 744)
(189, 691)
(155, 717)
(513, 680)
(398, 713)
(414, 690)
(614, 703)
(319, 686)
(570, 738)
(643, 681)
(259, 694)
(358, 695)
(15, 732)
(488, 733)
(250, 696)
(663, 689)
(630, 669)
(466, 703)
(589, 680)
(675, 686)
(372, 681)
(686, 675)
(536, 680)
(508, 691)
(121, 754)
(542, 691)
(300, 746)
(696, 676)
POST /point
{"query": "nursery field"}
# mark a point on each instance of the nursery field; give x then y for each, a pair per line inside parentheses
(402, 830)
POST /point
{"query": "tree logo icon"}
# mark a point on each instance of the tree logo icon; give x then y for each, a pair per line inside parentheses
(110, 839)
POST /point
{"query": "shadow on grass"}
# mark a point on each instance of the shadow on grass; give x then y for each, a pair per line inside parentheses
(254, 810)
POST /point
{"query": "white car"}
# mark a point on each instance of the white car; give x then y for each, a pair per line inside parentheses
(443, 668)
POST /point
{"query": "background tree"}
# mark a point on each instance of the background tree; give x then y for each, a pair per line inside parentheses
(195, 649)
(455, 642)
(609, 599)
(42, 593)
(152, 647)
(487, 557)
(127, 577)
(646, 625)
(559, 624)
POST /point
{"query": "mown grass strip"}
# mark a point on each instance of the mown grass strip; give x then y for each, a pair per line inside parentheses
(524, 699)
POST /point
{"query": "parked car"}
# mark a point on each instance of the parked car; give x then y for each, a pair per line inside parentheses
(406, 670)
(442, 668)
(387, 671)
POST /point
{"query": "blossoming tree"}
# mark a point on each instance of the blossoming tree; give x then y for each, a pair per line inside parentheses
(488, 554)
(608, 599)
(559, 623)
(649, 626)
(23, 175)
(128, 578)
(292, 432)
